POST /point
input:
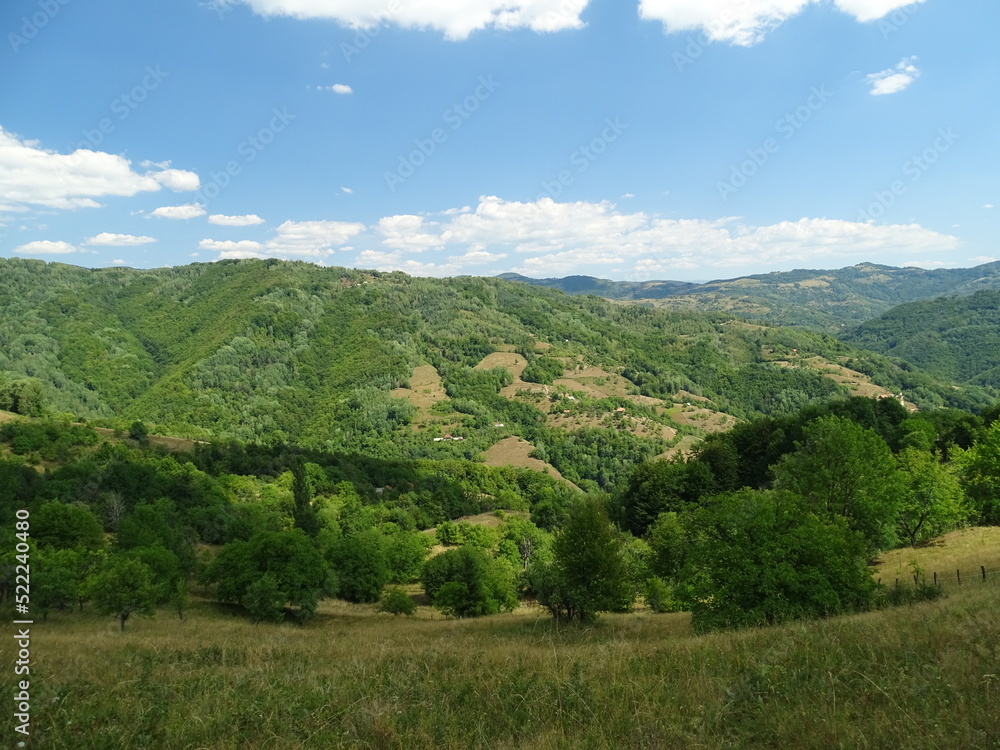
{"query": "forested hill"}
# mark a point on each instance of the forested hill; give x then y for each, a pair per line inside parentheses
(957, 338)
(618, 290)
(817, 299)
(382, 364)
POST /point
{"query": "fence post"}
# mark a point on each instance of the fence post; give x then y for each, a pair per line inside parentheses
(983, 568)
(959, 574)
(935, 578)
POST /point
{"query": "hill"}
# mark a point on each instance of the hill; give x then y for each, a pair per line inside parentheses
(826, 300)
(617, 290)
(393, 366)
(956, 338)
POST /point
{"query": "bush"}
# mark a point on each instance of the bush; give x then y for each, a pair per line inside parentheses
(395, 601)
(659, 597)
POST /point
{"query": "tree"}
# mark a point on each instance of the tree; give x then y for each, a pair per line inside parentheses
(301, 574)
(980, 470)
(122, 586)
(303, 513)
(847, 470)
(55, 579)
(362, 566)
(395, 601)
(264, 600)
(588, 573)
(473, 583)
(62, 526)
(139, 432)
(660, 487)
(933, 502)
(764, 557)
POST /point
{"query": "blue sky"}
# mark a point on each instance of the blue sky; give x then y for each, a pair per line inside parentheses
(670, 139)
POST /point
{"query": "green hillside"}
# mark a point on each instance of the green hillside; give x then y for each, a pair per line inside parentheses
(955, 338)
(618, 290)
(273, 352)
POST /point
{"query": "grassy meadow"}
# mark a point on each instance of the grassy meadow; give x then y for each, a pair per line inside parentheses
(923, 676)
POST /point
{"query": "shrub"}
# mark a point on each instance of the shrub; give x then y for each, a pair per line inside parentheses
(395, 601)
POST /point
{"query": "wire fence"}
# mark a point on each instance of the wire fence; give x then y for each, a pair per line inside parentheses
(950, 578)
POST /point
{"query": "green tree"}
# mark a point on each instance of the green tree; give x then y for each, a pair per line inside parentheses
(764, 557)
(303, 513)
(264, 600)
(122, 586)
(474, 583)
(395, 601)
(62, 526)
(933, 502)
(588, 574)
(362, 566)
(55, 579)
(844, 469)
(139, 432)
(301, 573)
(980, 471)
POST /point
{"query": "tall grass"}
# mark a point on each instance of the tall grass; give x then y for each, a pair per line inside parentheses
(925, 676)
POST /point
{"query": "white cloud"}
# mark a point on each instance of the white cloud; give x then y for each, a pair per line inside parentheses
(337, 88)
(118, 262)
(346, 190)
(988, 205)
(978, 261)
(118, 240)
(33, 176)
(559, 238)
(293, 240)
(456, 18)
(893, 80)
(245, 220)
(230, 245)
(178, 180)
(747, 22)
(45, 247)
(187, 211)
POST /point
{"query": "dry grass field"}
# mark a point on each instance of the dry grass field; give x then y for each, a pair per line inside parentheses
(923, 676)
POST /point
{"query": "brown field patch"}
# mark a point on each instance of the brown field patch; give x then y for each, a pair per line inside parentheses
(708, 420)
(513, 362)
(8, 416)
(514, 451)
(425, 389)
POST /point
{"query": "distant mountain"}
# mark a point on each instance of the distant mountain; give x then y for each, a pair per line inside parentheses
(617, 290)
(826, 300)
(955, 338)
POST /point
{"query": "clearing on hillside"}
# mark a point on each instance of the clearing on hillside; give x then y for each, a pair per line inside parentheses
(514, 451)
(513, 362)
(965, 550)
(425, 388)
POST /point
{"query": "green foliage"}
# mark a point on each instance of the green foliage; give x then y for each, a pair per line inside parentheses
(980, 467)
(933, 502)
(62, 526)
(405, 552)
(21, 396)
(472, 583)
(299, 571)
(659, 597)
(362, 566)
(395, 601)
(844, 469)
(764, 557)
(588, 574)
(122, 586)
(264, 599)
(138, 431)
(55, 579)
(662, 486)
(543, 370)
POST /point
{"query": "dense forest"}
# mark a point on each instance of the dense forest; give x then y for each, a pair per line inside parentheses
(955, 338)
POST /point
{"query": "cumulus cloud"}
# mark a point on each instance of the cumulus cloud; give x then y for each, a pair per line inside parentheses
(34, 176)
(747, 22)
(337, 88)
(187, 211)
(560, 238)
(109, 239)
(311, 240)
(893, 80)
(246, 220)
(456, 18)
(45, 247)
